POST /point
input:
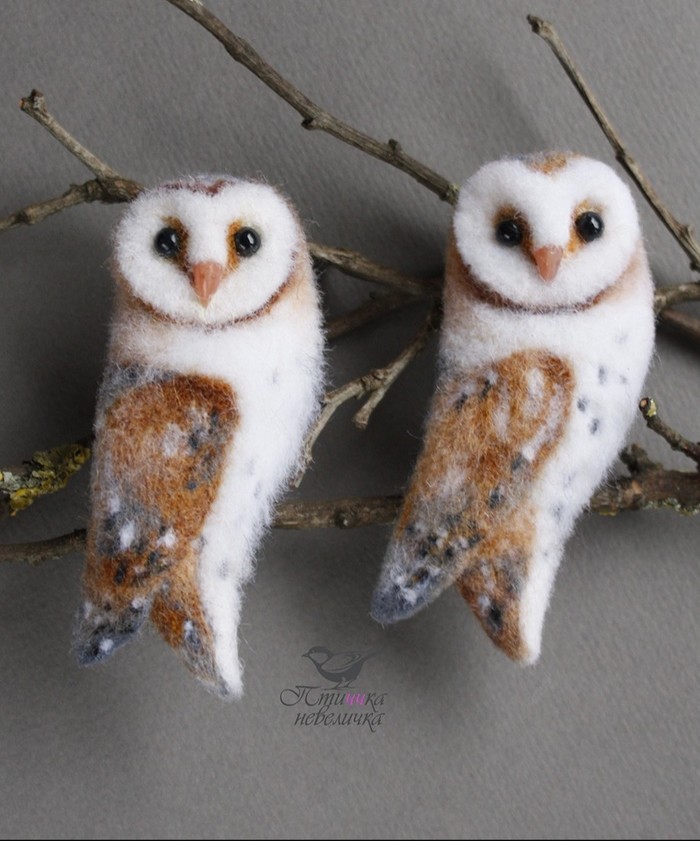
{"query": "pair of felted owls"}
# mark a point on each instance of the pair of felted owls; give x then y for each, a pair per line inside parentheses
(215, 369)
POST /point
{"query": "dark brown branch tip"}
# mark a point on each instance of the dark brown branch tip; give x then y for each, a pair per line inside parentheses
(537, 24)
(35, 102)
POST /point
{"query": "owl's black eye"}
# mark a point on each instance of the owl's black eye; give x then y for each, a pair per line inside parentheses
(589, 226)
(509, 232)
(246, 241)
(167, 243)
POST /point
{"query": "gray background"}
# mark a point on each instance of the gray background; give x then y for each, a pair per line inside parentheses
(600, 738)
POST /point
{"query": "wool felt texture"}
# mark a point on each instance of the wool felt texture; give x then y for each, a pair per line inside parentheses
(546, 339)
(213, 378)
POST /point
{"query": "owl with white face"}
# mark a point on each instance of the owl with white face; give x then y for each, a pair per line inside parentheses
(213, 376)
(547, 335)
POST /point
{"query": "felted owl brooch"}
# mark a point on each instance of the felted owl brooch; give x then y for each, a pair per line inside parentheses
(547, 335)
(213, 376)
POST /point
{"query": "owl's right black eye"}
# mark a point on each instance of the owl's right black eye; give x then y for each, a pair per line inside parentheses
(509, 232)
(167, 243)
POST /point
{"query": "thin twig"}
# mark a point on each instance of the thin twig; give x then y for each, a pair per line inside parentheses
(377, 307)
(682, 323)
(682, 233)
(667, 296)
(338, 513)
(108, 191)
(376, 382)
(331, 402)
(35, 106)
(315, 117)
(383, 378)
(44, 550)
(355, 264)
(674, 439)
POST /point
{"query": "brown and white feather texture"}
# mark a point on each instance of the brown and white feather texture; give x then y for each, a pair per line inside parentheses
(204, 405)
(540, 369)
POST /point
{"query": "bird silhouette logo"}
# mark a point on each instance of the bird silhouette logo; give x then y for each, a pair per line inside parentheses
(341, 669)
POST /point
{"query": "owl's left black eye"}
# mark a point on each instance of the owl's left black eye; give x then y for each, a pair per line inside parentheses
(167, 242)
(247, 242)
(589, 226)
(509, 232)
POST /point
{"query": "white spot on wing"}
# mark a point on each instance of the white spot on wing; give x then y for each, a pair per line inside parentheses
(127, 533)
(114, 504)
(174, 440)
(168, 540)
(501, 417)
(535, 385)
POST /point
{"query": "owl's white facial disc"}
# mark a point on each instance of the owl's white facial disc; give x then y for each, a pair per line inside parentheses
(546, 203)
(206, 213)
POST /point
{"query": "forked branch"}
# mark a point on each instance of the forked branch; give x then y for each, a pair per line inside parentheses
(375, 383)
(313, 116)
(683, 233)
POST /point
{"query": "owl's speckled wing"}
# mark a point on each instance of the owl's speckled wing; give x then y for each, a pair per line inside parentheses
(467, 515)
(161, 445)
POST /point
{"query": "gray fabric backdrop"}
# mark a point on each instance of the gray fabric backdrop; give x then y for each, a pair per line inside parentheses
(600, 738)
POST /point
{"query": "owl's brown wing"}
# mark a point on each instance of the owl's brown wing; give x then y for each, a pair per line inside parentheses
(160, 452)
(467, 507)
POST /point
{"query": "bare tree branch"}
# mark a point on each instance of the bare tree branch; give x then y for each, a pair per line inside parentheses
(46, 472)
(315, 117)
(375, 383)
(682, 233)
(44, 550)
(108, 191)
(354, 264)
(674, 439)
(649, 487)
(667, 296)
(35, 106)
(380, 380)
(680, 322)
(377, 307)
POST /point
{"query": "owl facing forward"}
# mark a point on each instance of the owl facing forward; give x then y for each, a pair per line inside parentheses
(547, 335)
(213, 375)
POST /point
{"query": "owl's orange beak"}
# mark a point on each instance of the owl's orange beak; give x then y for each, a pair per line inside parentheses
(206, 278)
(547, 260)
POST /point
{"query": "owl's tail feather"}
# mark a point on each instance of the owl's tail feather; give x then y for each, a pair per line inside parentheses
(100, 633)
(179, 616)
(508, 590)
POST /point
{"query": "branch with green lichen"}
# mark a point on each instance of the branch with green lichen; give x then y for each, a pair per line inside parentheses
(46, 472)
(647, 486)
